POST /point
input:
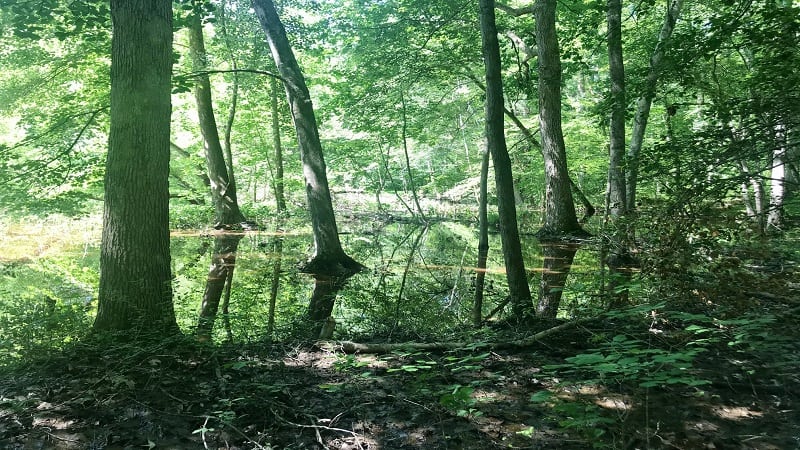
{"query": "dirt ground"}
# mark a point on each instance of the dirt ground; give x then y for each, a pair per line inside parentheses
(186, 396)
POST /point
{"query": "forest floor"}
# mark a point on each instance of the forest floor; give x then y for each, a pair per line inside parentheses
(183, 395)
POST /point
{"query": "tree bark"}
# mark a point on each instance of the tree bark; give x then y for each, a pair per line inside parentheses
(616, 149)
(280, 197)
(329, 257)
(777, 189)
(645, 101)
(135, 275)
(560, 219)
(483, 241)
(223, 192)
(504, 181)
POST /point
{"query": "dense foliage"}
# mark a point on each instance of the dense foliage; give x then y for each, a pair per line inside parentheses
(706, 312)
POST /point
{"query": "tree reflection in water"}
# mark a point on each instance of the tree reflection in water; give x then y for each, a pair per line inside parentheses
(556, 264)
(220, 276)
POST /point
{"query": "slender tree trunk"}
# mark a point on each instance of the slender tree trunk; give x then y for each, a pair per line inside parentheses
(408, 161)
(328, 257)
(646, 99)
(519, 290)
(223, 193)
(616, 171)
(616, 204)
(483, 240)
(280, 197)
(559, 218)
(135, 275)
(777, 189)
(759, 198)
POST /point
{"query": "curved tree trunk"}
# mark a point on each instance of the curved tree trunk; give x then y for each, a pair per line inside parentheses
(560, 218)
(135, 274)
(329, 257)
(223, 192)
(645, 101)
(496, 142)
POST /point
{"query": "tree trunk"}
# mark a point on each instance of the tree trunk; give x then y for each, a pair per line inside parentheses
(223, 193)
(280, 197)
(504, 181)
(410, 174)
(329, 257)
(135, 275)
(616, 149)
(223, 261)
(559, 218)
(483, 241)
(777, 189)
(646, 99)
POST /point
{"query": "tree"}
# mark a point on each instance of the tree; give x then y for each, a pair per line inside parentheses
(559, 217)
(616, 149)
(645, 101)
(135, 280)
(328, 257)
(504, 181)
(223, 190)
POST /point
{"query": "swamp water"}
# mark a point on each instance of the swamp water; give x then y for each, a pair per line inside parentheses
(419, 282)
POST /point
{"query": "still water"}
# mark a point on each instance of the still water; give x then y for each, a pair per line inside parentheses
(420, 281)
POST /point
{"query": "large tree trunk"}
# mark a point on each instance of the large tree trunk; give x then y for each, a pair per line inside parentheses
(135, 274)
(646, 99)
(495, 138)
(560, 218)
(329, 257)
(223, 192)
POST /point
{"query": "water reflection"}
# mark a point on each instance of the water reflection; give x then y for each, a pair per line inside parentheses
(557, 259)
(422, 283)
(219, 280)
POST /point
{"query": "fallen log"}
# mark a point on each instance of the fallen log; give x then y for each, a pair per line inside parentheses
(377, 348)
